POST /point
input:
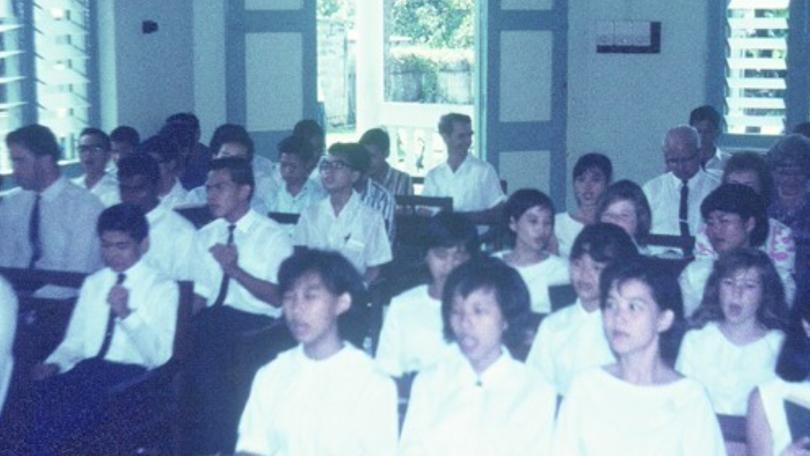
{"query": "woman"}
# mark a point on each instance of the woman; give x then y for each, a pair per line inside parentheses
(592, 175)
(624, 204)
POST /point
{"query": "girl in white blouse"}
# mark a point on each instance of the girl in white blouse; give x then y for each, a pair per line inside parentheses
(624, 204)
(738, 335)
(639, 405)
(768, 431)
(479, 400)
(529, 214)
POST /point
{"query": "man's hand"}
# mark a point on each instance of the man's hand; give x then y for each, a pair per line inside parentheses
(227, 256)
(118, 299)
(42, 371)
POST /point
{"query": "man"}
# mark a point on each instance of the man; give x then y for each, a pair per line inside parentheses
(94, 156)
(170, 235)
(196, 157)
(707, 121)
(378, 144)
(123, 324)
(236, 261)
(298, 190)
(49, 222)
(167, 154)
(124, 141)
(373, 194)
(472, 183)
(675, 196)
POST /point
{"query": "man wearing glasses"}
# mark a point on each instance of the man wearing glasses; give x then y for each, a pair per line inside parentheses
(94, 156)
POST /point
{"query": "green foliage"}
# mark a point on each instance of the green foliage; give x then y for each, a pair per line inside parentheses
(435, 23)
(336, 9)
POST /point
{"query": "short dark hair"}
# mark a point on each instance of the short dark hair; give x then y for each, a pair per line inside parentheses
(181, 134)
(604, 242)
(754, 162)
(355, 154)
(450, 229)
(139, 165)
(186, 118)
(627, 190)
(161, 146)
(337, 274)
(793, 363)
(446, 121)
(741, 200)
(38, 139)
(772, 312)
(126, 134)
(297, 146)
(377, 137)
(520, 202)
(790, 149)
(655, 275)
(594, 160)
(91, 131)
(243, 140)
(239, 169)
(127, 218)
(227, 133)
(511, 294)
(705, 112)
(307, 128)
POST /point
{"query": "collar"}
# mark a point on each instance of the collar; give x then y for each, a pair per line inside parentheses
(245, 223)
(157, 213)
(134, 273)
(496, 373)
(699, 176)
(53, 190)
(467, 159)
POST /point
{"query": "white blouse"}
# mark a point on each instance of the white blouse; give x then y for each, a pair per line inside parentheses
(604, 415)
(566, 229)
(773, 394)
(728, 371)
(507, 410)
(539, 276)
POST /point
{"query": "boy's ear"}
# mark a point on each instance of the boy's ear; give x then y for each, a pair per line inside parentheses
(344, 303)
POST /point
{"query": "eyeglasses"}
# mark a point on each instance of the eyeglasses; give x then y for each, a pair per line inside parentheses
(681, 161)
(333, 165)
(91, 148)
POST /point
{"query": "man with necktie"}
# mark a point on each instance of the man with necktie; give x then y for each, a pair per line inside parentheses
(123, 325)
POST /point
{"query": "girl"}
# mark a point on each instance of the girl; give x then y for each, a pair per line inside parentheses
(637, 405)
(624, 204)
(592, 175)
(530, 216)
(480, 400)
(738, 333)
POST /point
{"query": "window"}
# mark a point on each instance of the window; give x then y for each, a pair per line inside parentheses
(45, 69)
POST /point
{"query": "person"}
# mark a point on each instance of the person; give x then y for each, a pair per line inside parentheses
(479, 399)
(529, 214)
(768, 433)
(472, 183)
(378, 144)
(235, 267)
(325, 397)
(735, 218)
(342, 222)
(49, 222)
(625, 205)
(312, 133)
(124, 141)
(592, 175)
(709, 124)
(166, 153)
(411, 338)
(737, 330)
(675, 196)
(297, 190)
(262, 166)
(195, 157)
(8, 327)
(802, 128)
(170, 235)
(373, 194)
(638, 405)
(94, 155)
(571, 339)
(123, 325)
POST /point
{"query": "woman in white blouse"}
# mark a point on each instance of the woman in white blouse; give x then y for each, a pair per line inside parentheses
(638, 405)
(738, 335)
(592, 175)
(768, 430)
(529, 214)
(479, 400)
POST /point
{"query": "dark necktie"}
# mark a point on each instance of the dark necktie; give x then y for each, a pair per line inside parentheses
(108, 332)
(226, 279)
(683, 209)
(33, 233)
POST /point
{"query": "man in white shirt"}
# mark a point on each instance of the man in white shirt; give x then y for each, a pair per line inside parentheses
(124, 141)
(297, 191)
(167, 154)
(94, 155)
(472, 183)
(123, 324)
(708, 122)
(49, 222)
(236, 261)
(675, 196)
(170, 234)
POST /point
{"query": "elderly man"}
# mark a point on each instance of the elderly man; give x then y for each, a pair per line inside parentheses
(675, 196)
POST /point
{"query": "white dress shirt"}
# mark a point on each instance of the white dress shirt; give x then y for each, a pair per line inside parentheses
(566, 229)
(539, 276)
(507, 410)
(8, 327)
(358, 232)
(604, 415)
(717, 164)
(412, 335)
(664, 195)
(728, 371)
(262, 245)
(198, 196)
(773, 394)
(68, 216)
(284, 201)
(106, 189)
(474, 186)
(176, 197)
(170, 239)
(338, 406)
(569, 341)
(145, 337)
